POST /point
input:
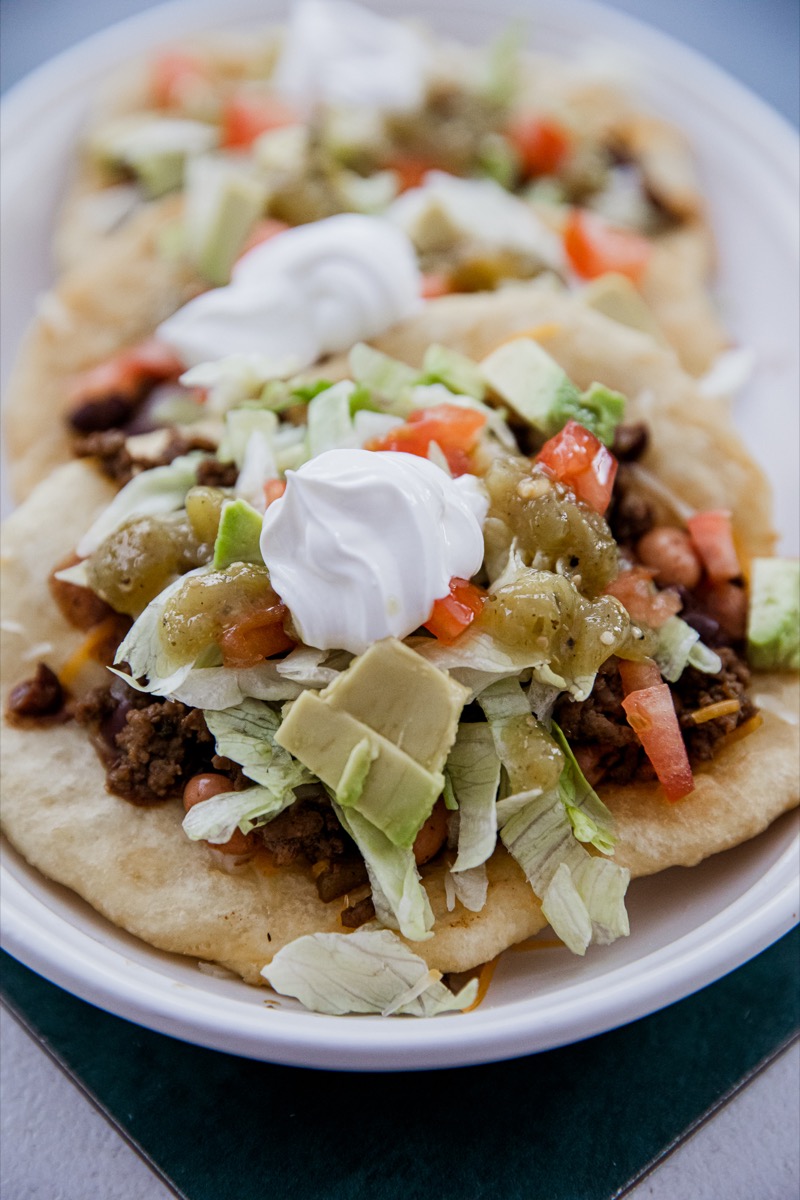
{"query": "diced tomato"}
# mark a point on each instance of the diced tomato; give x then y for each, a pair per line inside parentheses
(639, 675)
(262, 231)
(174, 75)
(637, 592)
(273, 490)
(434, 285)
(651, 714)
(245, 117)
(127, 372)
(455, 430)
(255, 637)
(594, 247)
(410, 171)
(712, 537)
(451, 615)
(542, 143)
(581, 461)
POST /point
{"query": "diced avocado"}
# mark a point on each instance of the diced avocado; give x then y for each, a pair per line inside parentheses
(616, 297)
(155, 149)
(398, 694)
(456, 371)
(223, 202)
(397, 793)
(773, 627)
(532, 383)
(238, 535)
(525, 376)
(601, 410)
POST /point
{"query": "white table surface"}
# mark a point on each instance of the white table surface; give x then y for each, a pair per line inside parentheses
(54, 1144)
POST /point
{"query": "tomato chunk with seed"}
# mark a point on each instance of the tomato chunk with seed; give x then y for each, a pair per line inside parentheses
(594, 247)
(245, 117)
(636, 591)
(454, 429)
(712, 537)
(542, 143)
(451, 615)
(581, 461)
(651, 715)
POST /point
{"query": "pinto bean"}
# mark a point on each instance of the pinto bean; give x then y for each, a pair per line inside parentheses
(727, 604)
(40, 696)
(431, 836)
(671, 553)
(203, 787)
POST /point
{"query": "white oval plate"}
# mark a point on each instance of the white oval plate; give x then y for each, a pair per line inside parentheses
(688, 927)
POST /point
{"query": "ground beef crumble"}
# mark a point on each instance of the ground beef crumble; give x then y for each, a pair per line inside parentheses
(115, 459)
(213, 473)
(150, 747)
(608, 749)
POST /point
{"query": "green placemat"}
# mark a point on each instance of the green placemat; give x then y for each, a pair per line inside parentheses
(578, 1123)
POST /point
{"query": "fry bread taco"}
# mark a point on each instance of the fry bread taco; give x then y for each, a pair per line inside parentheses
(408, 678)
(499, 164)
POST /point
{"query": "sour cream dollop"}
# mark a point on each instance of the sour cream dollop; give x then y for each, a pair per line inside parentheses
(341, 53)
(308, 292)
(362, 543)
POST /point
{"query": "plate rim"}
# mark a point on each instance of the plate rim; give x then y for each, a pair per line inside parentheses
(724, 945)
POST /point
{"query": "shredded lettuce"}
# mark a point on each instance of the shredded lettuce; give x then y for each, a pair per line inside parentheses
(234, 379)
(400, 900)
(477, 660)
(679, 646)
(313, 668)
(368, 971)
(144, 652)
(566, 911)
(149, 494)
(470, 888)
(457, 372)
(225, 687)
(590, 819)
(540, 838)
(240, 425)
(217, 819)
(473, 769)
(246, 734)
(602, 886)
(330, 424)
(386, 377)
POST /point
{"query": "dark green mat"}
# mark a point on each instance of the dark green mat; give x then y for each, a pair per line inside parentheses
(574, 1124)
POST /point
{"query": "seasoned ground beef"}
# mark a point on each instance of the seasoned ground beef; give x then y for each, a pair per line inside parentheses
(309, 830)
(609, 750)
(150, 748)
(213, 473)
(358, 914)
(109, 447)
(694, 690)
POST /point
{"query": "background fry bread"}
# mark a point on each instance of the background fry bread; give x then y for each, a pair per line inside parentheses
(135, 865)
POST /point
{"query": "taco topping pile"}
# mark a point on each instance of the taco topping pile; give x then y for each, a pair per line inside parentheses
(365, 626)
